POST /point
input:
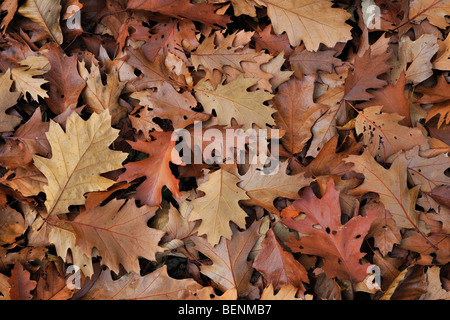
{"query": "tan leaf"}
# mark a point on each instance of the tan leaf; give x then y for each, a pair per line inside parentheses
(166, 103)
(157, 285)
(434, 288)
(287, 292)
(432, 10)
(79, 156)
(28, 182)
(428, 173)
(325, 127)
(12, 225)
(418, 55)
(218, 51)
(24, 77)
(442, 61)
(383, 228)
(119, 232)
(384, 136)
(46, 14)
(230, 268)
(219, 206)
(263, 189)
(100, 97)
(233, 101)
(301, 21)
(7, 100)
(391, 185)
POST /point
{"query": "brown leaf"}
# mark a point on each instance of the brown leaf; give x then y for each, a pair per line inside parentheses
(121, 226)
(65, 83)
(325, 236)
(21, 285)
(367, 68)
(12, 225)
(52, 286)
(155, 168)
(279, 266)
(203, 12)
(297, 112)
(157, 285)
(230, 268)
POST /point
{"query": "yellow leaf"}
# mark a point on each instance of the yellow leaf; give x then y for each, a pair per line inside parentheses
(233, 101)
(219, 206)
(79, 156)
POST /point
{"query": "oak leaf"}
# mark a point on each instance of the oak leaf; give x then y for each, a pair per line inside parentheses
(24, 77)
(432, 10)
(384, 230)
(330, 160)
(219, 206)
(100, 97)
(157, 285)
(155, 168)
(306, 62)
(218, 51)
(8, 99)
(119, 232)
(442, 61)
(263, 189)
(415, 57)
(392, 99)
(297, 112)
(46, 14)
(20, 283)
(391, 185)
(325, 127)
(434, 286)
(79, 156)
(428, 173)
(279, 266)
(233, 101)
(288, 292)
(166, 103)
(65, 83)
(300, 21)
(52, 286)
(202, 12)
(12, 225)
(173, 36)
(275, 44)
(230, 268)
(323, 234)
(28, 140)
(384, 136)
(367, 67)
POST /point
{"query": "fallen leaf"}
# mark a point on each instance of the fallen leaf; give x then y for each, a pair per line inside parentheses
(79, 156)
